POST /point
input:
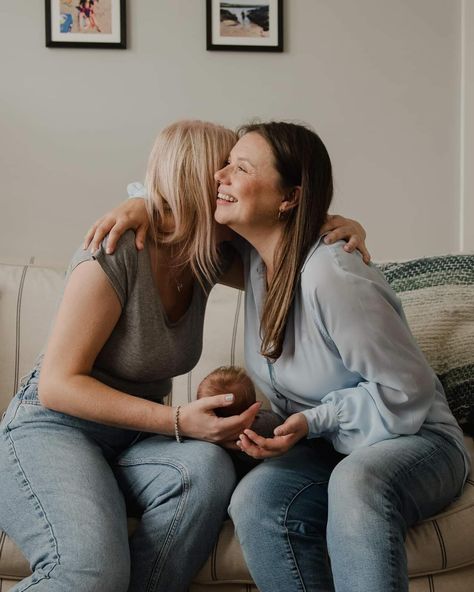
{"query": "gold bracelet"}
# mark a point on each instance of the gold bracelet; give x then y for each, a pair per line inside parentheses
(177, 435)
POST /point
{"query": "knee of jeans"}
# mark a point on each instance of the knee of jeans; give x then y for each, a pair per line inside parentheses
(212, 475)
(207, 478)
(249, 502)
(353, 481)
(356, 494)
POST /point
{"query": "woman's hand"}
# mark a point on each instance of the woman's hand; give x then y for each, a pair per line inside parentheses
(198, 420)
(131, 214)
(349, 230)
(286, 436)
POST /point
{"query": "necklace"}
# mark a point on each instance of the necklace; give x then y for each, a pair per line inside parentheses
(178, 279)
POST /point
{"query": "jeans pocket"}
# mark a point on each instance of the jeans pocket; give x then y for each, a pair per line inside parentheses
(29, 394)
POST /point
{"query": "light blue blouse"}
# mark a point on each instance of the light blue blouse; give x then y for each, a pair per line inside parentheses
(350, 363)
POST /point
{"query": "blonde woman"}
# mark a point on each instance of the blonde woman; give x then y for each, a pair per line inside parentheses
(87, 437)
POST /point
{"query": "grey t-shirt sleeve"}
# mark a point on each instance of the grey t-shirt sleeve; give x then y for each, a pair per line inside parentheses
(120, 267)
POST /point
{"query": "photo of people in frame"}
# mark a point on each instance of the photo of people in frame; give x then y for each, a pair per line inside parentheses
(85, 16)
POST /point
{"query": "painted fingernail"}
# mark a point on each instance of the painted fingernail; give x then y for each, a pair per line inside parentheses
(229, 397)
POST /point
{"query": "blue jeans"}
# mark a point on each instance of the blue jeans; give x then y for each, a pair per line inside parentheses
(66, 485)
(314, 520)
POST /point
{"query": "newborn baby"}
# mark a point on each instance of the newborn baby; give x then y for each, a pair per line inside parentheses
(232, 379)
(229, 379)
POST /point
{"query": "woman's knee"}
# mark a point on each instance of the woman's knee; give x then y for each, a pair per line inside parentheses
(199, 472)
(357, 497)
(253, 498)
(353, 480)
(211, 474)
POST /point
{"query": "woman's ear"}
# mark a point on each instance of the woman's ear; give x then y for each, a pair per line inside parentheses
(291, 199)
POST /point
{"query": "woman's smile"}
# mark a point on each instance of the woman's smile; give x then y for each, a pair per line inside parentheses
(250, 180)
(225, 198)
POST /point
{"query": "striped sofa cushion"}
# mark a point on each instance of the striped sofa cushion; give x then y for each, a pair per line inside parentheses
(223, 342)
(438, 298)
(29, 295)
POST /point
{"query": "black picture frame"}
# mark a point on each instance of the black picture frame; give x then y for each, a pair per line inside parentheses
(270, 24)
(69, 26)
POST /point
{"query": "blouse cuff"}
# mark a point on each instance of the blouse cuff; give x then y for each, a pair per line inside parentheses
(321, 419)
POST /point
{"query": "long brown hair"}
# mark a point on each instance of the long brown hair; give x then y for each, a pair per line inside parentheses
(302, 161)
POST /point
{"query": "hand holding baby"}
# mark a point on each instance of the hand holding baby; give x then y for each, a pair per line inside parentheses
(266, 437)
(234, 380)
(286, 436)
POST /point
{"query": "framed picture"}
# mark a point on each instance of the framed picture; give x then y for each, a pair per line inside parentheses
(86, 23)
(245, 25)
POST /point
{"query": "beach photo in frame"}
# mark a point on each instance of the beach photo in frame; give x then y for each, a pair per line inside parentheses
(100, 24)
(245, 25)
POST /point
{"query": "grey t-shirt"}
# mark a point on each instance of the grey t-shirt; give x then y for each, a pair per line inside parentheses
(145, 350)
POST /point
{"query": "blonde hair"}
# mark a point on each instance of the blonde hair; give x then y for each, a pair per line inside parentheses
(180, 181)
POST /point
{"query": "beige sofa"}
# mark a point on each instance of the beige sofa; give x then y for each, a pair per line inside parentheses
(440, 550)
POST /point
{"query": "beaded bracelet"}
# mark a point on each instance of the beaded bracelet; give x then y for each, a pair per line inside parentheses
(176, 425)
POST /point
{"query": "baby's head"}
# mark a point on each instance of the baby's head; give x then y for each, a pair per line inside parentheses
(228, 379)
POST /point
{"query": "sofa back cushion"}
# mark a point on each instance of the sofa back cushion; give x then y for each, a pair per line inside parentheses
(29, 295)
(223, 342)
(438, 299)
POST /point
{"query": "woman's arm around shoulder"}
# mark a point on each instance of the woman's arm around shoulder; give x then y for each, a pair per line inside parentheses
(129, 215)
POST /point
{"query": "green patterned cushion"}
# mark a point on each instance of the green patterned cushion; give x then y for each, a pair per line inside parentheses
(438, 298)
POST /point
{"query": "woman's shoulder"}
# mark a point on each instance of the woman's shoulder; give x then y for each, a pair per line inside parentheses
(123, 261)
(333, 257)
(125, 244)
(330, 267)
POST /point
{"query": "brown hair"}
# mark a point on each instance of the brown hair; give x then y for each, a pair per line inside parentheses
(180, 180)
(302, 161)
(229, 379)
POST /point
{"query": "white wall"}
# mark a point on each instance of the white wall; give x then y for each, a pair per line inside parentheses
(380, 80)
(467, 128)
